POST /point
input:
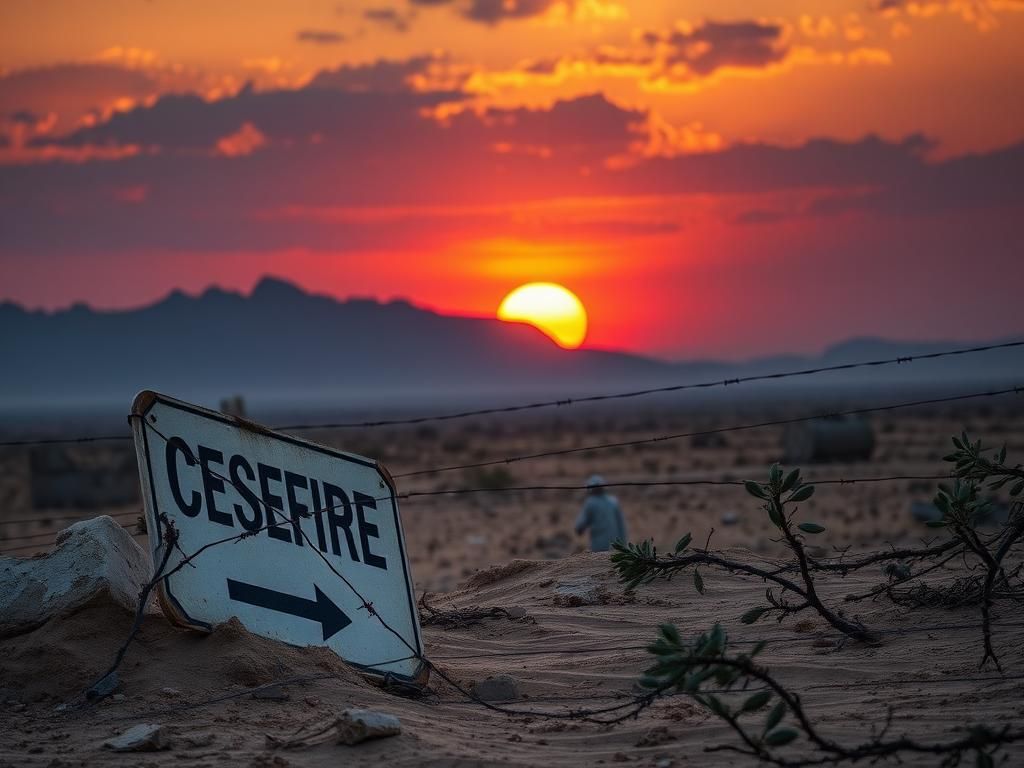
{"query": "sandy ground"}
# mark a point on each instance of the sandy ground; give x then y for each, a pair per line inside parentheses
(562, 657)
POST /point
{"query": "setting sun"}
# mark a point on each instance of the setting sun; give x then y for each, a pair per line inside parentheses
(554, 309)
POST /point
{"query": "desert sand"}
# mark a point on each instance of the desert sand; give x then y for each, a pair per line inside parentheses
(516, 550)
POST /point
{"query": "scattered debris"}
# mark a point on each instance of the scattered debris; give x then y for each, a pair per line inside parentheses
(139, 738)
(352, 727)
(460, 618)
(497, 688)
(92, 557)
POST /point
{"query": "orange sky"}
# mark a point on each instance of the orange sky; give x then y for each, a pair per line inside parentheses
(714, 178)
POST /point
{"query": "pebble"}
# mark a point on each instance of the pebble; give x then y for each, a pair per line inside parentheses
(144, 737)
(358, 725)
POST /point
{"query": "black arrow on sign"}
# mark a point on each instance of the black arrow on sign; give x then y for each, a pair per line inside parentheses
(322, 610)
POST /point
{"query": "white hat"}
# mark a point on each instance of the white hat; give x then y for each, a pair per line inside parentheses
(595, 481)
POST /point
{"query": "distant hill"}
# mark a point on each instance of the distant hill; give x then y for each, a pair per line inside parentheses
(282, 343)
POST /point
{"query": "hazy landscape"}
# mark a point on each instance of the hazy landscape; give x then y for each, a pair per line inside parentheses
(511, 383)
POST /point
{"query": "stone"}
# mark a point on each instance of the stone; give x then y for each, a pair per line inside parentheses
(730, 518)
(92, 557)
(358, 725)
(171, 693)
(139, 738)
(516, 612)
(497, 688)
(579, 592)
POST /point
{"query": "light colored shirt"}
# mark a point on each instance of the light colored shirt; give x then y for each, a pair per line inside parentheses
(603, 517)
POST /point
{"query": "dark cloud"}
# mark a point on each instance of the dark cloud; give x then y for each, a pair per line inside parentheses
(381, 76)
(319, 36)
(388, 17)
(716, 44)
(71, 90)
(496, 11)
(328, 151)
(25, 117)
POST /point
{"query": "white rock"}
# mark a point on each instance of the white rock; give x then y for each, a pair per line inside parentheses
(139, 738)
(358, 725)
(582, 591)
(92, 556)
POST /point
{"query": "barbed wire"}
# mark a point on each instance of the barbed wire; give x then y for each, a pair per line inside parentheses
(714, 431)
(567, 401)
(601, 715)
(409, 495)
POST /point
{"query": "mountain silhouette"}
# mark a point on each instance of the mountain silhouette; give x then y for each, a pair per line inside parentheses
(283, 343)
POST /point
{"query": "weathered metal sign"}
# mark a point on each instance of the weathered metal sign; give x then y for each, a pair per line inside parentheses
(215, 477)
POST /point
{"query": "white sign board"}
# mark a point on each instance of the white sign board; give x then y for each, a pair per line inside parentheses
(215, 477)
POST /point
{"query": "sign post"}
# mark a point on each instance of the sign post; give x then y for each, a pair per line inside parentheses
(304, 509)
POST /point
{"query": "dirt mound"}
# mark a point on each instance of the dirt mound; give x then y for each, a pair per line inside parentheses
(63, 657)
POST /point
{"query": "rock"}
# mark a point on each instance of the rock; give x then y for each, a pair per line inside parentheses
(516, 612)
(139, 738)
(579, 592)
(357, 725)
(497, 688)
(665, 762)
(92, 557)
(171, 693)
(118, 697)
(730, 518)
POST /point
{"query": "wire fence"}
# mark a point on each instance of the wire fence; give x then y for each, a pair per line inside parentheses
(567, 401)
(596, 714)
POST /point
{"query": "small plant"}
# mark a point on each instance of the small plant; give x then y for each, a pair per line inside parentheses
(964, 510)
(766, 716)
(639, 563)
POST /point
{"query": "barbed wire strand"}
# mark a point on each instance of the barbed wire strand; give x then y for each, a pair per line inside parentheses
(567, 401)
(410, 495)
(602, 715)
(714, 431)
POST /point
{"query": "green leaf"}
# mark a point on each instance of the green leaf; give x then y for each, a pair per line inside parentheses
(698, 581)
(683, 543)
(984, 760)
(753, 615)
(775, 716)
(936, 523)
(791, 480)
(775, 474)
(780, 737)
(754, 489)
(811, 528)
(670, 633)
(756, 701)
(716, 706)
(775, 515)
(803, 493)
(1017, 488)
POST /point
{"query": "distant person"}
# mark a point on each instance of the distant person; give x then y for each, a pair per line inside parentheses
(602, 516)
